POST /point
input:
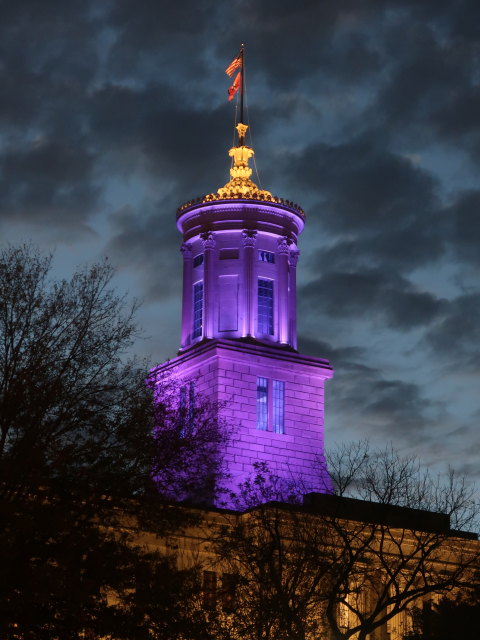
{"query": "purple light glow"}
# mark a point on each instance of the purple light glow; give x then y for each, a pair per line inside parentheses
(226, 349)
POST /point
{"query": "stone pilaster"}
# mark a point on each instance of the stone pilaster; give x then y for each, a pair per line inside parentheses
(292, 295)
(209, 298)
(282, 290)
(187, 298)
(249, 289)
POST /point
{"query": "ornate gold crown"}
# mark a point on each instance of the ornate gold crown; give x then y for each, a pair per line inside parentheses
(240, 186)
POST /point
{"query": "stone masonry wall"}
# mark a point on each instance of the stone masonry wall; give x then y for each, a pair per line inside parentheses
(227, 373)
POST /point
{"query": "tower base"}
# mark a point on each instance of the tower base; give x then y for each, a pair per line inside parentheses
(280, 430)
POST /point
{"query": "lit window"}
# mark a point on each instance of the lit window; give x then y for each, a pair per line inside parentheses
(278, 406)
(266, 256)
(229, 583)
(198, 260)
(262, 403)
(187, 409)
(271, 413)
(197, 309)
(209, 589)
(265, 307)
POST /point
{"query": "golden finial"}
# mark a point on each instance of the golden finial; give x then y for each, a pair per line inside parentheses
(241, 130)
(240, 185)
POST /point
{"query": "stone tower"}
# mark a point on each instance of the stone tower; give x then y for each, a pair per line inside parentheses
(239, 329)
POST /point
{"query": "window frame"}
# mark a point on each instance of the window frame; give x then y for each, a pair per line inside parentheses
(266, 311)
(198, 260)
(197, 310)
(270, 405)
(267, 257)
(262, 403)
(278, 406)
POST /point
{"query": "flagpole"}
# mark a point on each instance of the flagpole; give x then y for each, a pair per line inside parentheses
(238, 83)
(242, 91)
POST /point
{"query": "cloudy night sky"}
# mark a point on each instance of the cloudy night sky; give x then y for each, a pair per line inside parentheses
(365, 112)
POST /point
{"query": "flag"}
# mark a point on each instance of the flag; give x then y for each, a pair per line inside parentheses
(237, 62)
(235, 86)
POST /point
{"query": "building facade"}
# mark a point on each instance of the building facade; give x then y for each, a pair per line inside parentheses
(364, 567)
(239, 330)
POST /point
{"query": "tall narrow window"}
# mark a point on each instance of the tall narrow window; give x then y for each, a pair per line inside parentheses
(265, 306)
(191, 406)
(187, 409)
(209, 589)
(262, 404)
(182, 410)
(198, 260)
(229, 583)
(266, 256)
(278, 406)
(197, 309)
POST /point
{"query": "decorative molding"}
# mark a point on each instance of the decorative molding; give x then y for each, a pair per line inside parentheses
(249, 237)
(186, 251)
(284, 245)
(231, 197)
(294, 257)
(208, 239)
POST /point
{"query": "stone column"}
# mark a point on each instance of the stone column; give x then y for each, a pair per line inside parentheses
(292, 294)
(209, 292)
(249, 289)
(187, 297)
(282, 290)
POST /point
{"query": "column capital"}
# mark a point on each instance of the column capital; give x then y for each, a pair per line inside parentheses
(186, 251)
(284, 245)
(208, 239)
(249, 237)
(294, 257)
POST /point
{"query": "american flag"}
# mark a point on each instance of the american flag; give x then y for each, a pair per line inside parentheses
(237, 62)
(235, 86)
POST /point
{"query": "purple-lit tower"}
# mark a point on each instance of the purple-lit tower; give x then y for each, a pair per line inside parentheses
(239, 329)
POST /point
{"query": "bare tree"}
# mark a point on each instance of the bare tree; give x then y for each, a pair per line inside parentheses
(278, 577)
(449, 618)
(190, 434)
(400, 537)
(79, 437)
(347, 566)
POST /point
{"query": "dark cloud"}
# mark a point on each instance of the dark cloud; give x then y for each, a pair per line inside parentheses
(141, 241)
(114, 113)
(49, 182)
(421, 77)
(364, 187)
(393, 409)
(387, 409)
(147, 129)
(458, 118)
(464, 219)
(370, 294)
(48, 55)
(457, 335)
(464, 16)
(275, 31)
(156, 42)
(430, 92)
(420, 243)
(335, 354)
(143, 24)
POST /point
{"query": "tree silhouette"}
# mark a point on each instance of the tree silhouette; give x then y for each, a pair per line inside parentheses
(79, 437)
(341, 565)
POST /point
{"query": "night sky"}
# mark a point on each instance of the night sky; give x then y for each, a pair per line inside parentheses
(365, 112)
